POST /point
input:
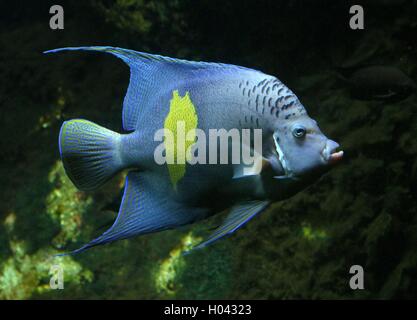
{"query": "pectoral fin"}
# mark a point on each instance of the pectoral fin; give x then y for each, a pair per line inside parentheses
(244, 171)
(239, 215)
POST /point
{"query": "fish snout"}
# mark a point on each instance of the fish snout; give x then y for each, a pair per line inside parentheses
(330, 153)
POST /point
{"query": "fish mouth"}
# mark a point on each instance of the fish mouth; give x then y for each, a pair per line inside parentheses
(331, 155)
(335, 157)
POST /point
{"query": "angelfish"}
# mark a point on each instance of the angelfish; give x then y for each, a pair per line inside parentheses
(164, 91)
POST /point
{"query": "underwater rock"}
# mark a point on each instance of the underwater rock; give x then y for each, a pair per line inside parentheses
(379, 82)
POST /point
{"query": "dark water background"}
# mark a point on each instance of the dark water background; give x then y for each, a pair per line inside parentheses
(363, 212)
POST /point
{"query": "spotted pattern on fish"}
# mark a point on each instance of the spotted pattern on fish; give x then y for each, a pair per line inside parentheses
(272, 95)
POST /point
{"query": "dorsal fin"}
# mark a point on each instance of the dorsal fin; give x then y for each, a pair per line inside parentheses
(148, 72)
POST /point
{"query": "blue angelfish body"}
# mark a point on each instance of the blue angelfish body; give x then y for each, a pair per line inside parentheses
(203, 96)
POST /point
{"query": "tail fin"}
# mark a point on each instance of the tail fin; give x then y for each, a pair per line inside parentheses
(89, 152)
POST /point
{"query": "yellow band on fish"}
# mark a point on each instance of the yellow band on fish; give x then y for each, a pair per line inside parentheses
(181, 123)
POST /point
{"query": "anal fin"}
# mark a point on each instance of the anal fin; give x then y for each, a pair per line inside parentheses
(146, 207)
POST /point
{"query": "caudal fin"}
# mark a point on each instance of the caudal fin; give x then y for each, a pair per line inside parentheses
(89, 152)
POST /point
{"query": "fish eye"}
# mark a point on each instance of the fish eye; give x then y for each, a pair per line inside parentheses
(299, 131)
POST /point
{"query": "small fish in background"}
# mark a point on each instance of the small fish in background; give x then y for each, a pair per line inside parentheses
(378, 83)
(163, 91)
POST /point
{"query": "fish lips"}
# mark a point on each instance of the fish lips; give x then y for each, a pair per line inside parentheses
(330, 154)
(335, 157)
